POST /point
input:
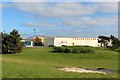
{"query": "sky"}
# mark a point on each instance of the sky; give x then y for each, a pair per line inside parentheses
(70, 19)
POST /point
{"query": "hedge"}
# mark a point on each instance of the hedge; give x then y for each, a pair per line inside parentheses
(73, 49)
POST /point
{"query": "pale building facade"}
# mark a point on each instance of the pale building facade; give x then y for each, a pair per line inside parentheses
(60, 41)
(76, 41)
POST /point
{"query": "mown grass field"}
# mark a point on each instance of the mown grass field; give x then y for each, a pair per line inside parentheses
(41, 63)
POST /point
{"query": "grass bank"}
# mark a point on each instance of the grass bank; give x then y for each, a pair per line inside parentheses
(41, 63)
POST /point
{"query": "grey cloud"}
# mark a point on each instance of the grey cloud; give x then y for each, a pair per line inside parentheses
(69, 12)
(65, 9)
(110, 7)
(60, 0)
(79, 22)
(88, 21)
(39, 24)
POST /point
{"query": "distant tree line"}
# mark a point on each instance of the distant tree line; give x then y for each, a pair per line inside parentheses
(11, 42)
(110, 42)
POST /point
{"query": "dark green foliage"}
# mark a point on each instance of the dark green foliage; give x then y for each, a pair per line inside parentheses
(67, 50)
(73, 49)
(57, 49)
(62, 49)
(103, 40)
(11, 42)
(112, 40)
(115, 42)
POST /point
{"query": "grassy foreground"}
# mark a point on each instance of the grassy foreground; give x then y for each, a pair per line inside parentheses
(41, 63)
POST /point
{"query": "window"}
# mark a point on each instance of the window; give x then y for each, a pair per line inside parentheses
(28, 43)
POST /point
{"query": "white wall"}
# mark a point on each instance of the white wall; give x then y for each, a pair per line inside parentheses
(76, 41)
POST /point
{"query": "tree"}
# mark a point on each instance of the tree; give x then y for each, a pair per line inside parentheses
(103, 40)
(11, 42)
(112, 40)
(115, 42)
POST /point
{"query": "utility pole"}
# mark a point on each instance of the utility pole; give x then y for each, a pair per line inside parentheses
(34, 31)
(4, 31)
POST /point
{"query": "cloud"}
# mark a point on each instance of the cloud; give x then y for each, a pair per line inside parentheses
(0, 5)
(24, 0)
(110, 7)
(88, 21)
(73, 14)
(60, 0)
(59, 10)
(39, 24)
(65, 9)
(78, 22)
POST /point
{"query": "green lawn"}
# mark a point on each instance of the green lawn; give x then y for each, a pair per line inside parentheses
(41, 63)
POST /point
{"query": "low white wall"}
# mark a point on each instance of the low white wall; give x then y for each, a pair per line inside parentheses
(76, 41)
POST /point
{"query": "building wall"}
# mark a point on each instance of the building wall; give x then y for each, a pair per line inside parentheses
(48, 41)
(59, 41)
(76, 41)
(45, 40)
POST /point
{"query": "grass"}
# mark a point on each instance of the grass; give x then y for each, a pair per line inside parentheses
(41, 63)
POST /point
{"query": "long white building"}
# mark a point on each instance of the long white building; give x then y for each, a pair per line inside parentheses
(59, 41)
(40, 40)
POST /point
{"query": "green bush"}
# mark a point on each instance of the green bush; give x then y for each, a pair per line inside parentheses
(73, 49)
(58, 49)
(67, 50)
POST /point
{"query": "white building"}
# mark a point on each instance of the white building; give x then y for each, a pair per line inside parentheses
(40, 40)
(59, 41)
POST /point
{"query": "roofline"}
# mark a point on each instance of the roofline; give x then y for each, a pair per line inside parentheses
(55, 37)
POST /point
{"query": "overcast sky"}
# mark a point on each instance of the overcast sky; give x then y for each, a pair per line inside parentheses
(72, 19)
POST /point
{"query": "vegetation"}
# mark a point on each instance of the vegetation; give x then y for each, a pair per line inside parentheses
(73, 49)
(41, 63)
(11, 42)
(109, 42)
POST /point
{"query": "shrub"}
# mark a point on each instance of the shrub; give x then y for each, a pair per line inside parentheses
(67, 50)
(73, 49)
(58, 49)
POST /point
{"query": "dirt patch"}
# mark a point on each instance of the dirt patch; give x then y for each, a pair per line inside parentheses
(83, 70)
